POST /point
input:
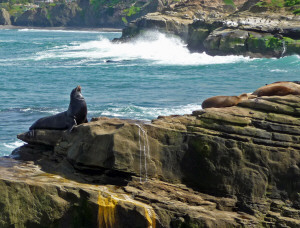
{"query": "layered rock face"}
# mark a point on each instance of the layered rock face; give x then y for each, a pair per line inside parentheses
(219, 28)
(234, 166)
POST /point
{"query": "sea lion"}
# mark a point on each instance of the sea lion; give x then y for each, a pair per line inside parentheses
(75, 115)
(278, 89)
(223, 101)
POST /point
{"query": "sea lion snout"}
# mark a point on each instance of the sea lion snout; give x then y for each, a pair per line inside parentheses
(78, 88)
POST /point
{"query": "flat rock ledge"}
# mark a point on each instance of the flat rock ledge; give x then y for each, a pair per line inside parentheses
(218, 167)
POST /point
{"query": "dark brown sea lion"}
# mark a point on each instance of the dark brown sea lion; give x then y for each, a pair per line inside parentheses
(278, 89)
(223, 101)
(75, 115)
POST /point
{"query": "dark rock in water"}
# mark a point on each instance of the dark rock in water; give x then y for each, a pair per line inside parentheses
(4, 17)
(245, 157)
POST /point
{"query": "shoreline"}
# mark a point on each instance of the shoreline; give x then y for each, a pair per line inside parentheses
(87, 29)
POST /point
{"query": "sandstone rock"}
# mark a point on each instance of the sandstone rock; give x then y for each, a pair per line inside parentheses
(30, 197)
(4, 17)
(249, 152)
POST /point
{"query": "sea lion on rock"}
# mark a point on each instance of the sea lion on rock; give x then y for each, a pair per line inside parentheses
(75, 115)
(223, 101)
(278, 89)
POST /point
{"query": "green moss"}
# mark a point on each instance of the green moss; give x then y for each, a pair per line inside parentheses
(271, 4)
(131, 11)
(202, 148)
(16, 10)
(291, 2)
(124, 20)
(288, 40)
(278, 3)
(97, 4)
(273, 42)
(297, 12)
(229, 2)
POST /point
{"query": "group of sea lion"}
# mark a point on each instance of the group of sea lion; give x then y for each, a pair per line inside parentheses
(77, 111)
(281, 88)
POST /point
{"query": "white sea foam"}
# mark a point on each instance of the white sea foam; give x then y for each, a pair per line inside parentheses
(61, 30)
(146, 113)
(278, 70)
(153, 46)
(14, 145)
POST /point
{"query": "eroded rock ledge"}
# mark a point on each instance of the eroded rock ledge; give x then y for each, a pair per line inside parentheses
(235, 166)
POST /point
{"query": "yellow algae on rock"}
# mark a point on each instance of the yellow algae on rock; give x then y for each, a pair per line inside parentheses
(106, 213)
(150, 216)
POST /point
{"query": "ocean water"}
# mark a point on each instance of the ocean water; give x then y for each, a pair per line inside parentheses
(151, 76)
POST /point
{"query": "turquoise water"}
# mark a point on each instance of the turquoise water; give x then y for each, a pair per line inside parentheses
(154, 75)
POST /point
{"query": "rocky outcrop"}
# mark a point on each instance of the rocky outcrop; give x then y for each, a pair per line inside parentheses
(88, 13)
(242, 162)
(4, 17)
(241, 28)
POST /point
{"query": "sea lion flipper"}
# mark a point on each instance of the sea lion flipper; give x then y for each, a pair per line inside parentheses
(72, 125)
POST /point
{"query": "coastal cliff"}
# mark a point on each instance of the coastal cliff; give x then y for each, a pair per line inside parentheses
(228, 167)
(250, 28)
(81, 13)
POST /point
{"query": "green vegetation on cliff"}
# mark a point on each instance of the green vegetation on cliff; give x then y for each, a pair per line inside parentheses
(100, 3)
(275, 4)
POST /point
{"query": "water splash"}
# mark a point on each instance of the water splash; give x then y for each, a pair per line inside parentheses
(283, 48)
(154, 47)
(145, 149)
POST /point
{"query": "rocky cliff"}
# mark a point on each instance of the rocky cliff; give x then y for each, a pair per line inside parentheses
(251, 28)
(218, 167)
(82, 13)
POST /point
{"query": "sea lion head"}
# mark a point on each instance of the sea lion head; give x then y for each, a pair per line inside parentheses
(76, 93)
(243, 97)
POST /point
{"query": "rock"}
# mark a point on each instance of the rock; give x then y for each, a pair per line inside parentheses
(34, 17)
(30, 197)
(87, 14)
(159, 22)
(248, 152)
(224, 29)
(4, 17)
(226, 41)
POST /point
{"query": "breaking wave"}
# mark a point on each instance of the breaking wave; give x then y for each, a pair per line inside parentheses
(155, 47)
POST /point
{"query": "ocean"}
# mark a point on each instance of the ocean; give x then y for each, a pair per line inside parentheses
(150, 76)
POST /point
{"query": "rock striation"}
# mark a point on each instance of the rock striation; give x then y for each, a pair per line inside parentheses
(218, 167)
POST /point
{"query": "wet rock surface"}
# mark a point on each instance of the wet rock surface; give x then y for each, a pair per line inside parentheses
(234, 166)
